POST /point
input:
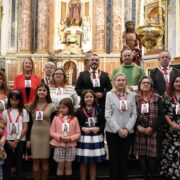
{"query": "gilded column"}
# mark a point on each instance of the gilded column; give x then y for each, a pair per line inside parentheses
(117, 23)
(43, 26)
(99, 21)
(26, 27)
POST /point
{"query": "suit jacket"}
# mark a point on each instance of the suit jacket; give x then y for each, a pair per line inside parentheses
(159, 81)
(84, 82)
(19, 84)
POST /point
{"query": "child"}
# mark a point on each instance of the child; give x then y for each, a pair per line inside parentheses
(3, 134)
(90, 149)
(17, 119)
(41, 110)
(65, 132)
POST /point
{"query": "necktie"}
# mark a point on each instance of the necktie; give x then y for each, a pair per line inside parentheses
(94, 74)
(166, 78)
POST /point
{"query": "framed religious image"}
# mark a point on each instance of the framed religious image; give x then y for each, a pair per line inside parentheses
(39, 115)
(123, 105)
(65, 128)
(145, 108)
(177, 109)
(2, 106)
(13, 128)
(92, 121)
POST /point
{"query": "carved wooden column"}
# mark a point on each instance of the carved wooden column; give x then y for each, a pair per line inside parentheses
(99, 22)
(26, 27)
(43, 26)
(117, 22)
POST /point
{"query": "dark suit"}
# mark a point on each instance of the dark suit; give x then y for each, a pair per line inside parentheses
(159, 81)
(84, 82)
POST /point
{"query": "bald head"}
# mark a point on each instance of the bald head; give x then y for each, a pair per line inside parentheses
(127, 57)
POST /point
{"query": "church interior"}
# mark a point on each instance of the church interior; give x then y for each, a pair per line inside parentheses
(68, 31)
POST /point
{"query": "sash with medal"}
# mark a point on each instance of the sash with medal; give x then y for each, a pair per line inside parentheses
(177, 106)
(2, 103)
(145, 106)
(13, 127)
(166, 74)
(39, 114)
(95, 80)
(123, 106)
(59, 91)
(91, 120)
(27, 83)
(65, 125)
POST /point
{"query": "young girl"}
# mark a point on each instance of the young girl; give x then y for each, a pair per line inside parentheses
(41, 110)
(17, 120)
(65, 132)
(3, 134)
(90, 149)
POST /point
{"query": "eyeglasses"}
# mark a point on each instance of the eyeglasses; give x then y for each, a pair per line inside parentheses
(145, 83)
(61, 74)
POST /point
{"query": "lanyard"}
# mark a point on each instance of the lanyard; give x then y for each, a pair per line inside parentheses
(148, 100)
(175, 100)
(85, 113)
(37, 109)
(62, 119)
(165, 71)
(17, 118)
(62, 85)
(99, 74)
(2, 96)
(119, 97)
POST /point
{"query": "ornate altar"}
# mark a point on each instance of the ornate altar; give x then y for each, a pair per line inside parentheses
(154, 31)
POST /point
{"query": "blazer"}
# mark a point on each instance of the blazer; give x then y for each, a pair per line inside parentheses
(19, 84)
(100, 118)
(159, 81)
(84, 82)
(115, 119)
(56, 132)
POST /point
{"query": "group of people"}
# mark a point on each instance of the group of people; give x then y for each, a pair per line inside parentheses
(133, 112)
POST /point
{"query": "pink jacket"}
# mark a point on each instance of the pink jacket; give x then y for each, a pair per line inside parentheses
(56, 132)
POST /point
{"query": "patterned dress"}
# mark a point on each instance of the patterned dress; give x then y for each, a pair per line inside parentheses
(90, 147)
(170, 163)
(148, 145)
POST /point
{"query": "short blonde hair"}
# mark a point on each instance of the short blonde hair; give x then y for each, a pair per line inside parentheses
(114, 79)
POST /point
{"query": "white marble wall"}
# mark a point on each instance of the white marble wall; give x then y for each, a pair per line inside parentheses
(172, 29)
(4, 28)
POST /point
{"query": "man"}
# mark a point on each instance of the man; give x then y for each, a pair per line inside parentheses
(162, 75)
(48, 69)
(132, 71)
(131, 40)
(94, 79)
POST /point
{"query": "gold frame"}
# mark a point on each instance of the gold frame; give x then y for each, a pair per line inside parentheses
(150, 7)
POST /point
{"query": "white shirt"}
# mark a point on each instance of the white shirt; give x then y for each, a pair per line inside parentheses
(23, 118)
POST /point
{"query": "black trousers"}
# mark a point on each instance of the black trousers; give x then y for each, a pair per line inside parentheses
(118, 155)
(16, 156)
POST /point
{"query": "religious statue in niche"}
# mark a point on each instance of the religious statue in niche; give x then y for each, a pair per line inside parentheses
(86, 28)
(74, 18)
(61, 29)
(131, 40)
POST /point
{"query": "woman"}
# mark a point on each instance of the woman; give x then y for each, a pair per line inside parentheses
(150, 115)
(171, 139)
(120, 114)
(4, 91)
(60, 89)
(42, 111)
(27, 82)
